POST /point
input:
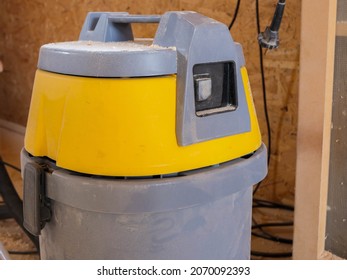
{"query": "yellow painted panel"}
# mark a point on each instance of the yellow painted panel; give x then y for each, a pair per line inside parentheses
(121, 126)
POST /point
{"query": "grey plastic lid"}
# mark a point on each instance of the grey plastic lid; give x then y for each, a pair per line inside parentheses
(107, 59)
(106, 48)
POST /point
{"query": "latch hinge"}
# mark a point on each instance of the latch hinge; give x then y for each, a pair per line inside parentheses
(36, 206)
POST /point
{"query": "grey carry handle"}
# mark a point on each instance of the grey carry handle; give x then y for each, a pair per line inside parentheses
(112, 27)
(199, 40)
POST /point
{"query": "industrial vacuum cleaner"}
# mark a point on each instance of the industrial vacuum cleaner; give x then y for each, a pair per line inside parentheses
(142, 149)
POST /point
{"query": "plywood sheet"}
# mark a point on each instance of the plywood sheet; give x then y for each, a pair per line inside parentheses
(336, 228)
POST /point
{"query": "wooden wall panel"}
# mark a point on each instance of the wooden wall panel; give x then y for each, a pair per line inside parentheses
(26, 25)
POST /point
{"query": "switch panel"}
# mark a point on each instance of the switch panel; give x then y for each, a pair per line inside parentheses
(215, 88)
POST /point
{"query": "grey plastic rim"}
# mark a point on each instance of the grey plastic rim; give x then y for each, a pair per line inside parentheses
(112, 195)
(113, 59)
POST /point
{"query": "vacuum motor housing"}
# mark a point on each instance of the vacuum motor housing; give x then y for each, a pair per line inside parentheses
(142, 149)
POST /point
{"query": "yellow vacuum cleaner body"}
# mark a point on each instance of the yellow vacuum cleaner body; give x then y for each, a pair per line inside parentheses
(125, 107)
(135, 126)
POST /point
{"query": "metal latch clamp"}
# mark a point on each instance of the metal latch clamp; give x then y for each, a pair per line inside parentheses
(36, 206)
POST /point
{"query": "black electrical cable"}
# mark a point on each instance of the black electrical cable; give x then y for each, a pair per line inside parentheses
(23, 252)
(271, 237)
(236, 12)
(269, 204)
(4, 212)
(10, 165)
(261, 229)
(266, 235)
(258, 203)
(271, 255)
(282, 224)
(277, 19)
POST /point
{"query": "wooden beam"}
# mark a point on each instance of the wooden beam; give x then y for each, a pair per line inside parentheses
(313, 142)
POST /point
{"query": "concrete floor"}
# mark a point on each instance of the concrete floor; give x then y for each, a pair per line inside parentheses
(14, 239)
